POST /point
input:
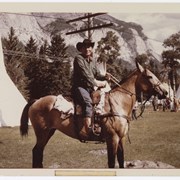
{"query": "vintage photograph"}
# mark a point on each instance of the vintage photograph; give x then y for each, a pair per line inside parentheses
(89, 90)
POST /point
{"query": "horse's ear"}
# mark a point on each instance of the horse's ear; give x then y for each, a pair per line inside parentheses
(139, 67)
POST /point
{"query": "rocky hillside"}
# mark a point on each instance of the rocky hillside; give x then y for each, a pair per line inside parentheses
(42, 25)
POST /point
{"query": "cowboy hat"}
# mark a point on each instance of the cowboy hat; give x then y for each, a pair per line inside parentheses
(86, 42)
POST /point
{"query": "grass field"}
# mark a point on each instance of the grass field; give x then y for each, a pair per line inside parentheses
(154, 137)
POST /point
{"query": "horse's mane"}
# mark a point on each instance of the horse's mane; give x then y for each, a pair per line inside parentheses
(127, 77)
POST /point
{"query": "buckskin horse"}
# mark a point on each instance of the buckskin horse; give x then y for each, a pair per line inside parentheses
(118, 106)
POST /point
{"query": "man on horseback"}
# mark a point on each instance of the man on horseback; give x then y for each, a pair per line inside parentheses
(86, 79)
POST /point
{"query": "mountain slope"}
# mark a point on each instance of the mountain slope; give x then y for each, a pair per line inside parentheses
(42, 25)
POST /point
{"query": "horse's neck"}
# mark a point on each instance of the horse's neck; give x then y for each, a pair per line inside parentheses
(123, 97)
(129, 85)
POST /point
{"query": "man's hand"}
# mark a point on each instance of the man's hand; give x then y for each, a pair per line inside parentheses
(108, 76)
(100, 84)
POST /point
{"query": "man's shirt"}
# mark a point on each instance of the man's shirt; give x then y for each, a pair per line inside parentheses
(85, 73)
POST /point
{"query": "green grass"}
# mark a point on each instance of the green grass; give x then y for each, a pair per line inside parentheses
(155, 137)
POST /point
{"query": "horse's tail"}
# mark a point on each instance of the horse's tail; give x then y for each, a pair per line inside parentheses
(24, 119)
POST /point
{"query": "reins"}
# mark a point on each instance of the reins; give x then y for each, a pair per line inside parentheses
(143, 106)
(114, 80)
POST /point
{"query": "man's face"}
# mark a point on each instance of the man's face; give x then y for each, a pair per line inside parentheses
(87, 50)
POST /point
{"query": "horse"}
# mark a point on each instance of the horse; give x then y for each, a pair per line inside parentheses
(119, 102)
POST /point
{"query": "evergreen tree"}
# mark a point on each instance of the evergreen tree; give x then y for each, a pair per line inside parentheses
(57, 49)
(31, 46)
(43, 50)
(32, 69)
(14, 61)
(46, 72)
(49, 73)
(59, 66)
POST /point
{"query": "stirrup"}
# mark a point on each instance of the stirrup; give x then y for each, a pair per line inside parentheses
(96, 130)
(95, 137)
(91, 136)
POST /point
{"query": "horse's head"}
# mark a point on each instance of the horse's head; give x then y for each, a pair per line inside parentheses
(149, 83)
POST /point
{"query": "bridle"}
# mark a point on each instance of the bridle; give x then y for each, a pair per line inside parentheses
(157, 86)
(154, 86)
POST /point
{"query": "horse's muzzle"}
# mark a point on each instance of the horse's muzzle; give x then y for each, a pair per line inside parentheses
(160, 91)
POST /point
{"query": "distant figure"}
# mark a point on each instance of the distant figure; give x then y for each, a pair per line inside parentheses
(155, 103)
(166, 104)
(175, 105)
(134, 110)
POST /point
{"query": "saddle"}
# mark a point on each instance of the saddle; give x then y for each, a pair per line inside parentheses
(95, 96)
(67, 108)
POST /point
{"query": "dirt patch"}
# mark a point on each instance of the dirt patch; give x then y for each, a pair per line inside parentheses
(137, 164)
(98, 152)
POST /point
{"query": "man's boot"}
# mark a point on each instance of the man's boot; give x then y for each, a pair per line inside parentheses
(87, 131)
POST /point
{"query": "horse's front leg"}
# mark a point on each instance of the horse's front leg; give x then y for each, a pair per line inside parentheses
(120, 153)
(112, 146)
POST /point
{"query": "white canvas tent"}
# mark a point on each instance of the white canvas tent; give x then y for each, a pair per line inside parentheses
(2, 123)
(178, 93)
(11, 100)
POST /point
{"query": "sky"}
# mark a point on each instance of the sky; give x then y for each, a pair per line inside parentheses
(157, 26)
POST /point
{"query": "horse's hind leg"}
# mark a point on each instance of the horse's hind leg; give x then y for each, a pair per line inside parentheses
(120, 153)
(42, 139)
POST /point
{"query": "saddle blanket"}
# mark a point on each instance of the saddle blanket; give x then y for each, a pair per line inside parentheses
(63, 105)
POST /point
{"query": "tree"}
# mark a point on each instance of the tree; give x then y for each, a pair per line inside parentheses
(148, 61)
(108, 48)
(48, 69)
(43, 50)
(32, 69)
(59, 66)
(14, 61)
(31, 46)
(57, 49)
(171, 58)
(142, 59)
(108, 51)
(46, 77)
